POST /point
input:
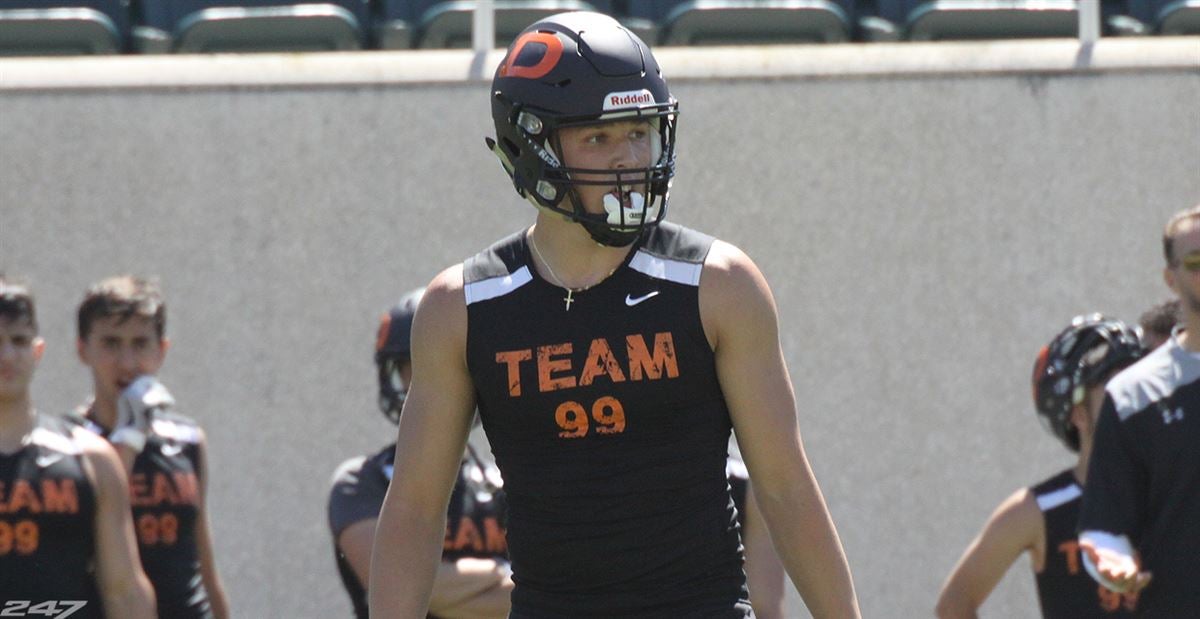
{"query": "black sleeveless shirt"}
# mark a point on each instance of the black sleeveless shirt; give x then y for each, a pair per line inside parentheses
(164, 491)
(611, 431)
(1064, 588)
(474, 518)
(47, 522)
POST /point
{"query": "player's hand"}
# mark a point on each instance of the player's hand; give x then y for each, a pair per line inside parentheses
(134, 407)
(1119, 571)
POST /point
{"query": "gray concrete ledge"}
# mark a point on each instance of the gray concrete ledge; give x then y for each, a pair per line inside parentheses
(691, 63)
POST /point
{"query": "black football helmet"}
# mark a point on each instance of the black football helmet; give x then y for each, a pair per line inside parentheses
(1083, 355)
(575, 69)
(393, 348)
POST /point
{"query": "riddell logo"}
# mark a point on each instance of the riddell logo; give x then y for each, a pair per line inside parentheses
(631, 98)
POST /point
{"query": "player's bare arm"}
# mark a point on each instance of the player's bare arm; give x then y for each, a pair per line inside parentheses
(433, 434)
(1015, 527)
(124, 588)
(741, 323)
(457, 584)
(204, 545)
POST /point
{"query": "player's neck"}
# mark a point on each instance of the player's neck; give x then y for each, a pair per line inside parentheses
(103, 412)
(16, 422)
(1081, 467)
(574, 258)
(1191, 324)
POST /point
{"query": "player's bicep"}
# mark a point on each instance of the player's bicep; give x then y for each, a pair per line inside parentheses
(1013, 528)
(742, 323)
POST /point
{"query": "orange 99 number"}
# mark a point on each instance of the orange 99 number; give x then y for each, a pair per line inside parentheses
(21, 537)
(573, 419)
(163, 529)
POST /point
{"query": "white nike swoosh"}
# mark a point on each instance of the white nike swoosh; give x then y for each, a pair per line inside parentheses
(171, 450)
(630, 301)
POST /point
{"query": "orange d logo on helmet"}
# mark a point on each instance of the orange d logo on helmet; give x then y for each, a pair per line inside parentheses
(544, 51)
(1039, 368)
(381, 336)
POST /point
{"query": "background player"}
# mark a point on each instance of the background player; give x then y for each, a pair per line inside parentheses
(122, 340)
(609, 356)
(473, 578)
(1140, 522)
(65, 533)
(1068, 387)
(1157, 323)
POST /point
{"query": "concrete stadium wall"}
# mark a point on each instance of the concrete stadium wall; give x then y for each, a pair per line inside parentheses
(928, 215)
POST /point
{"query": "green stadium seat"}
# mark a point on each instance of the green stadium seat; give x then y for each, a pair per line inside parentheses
(41, 28)
(197, 26)
(1182, 17)
(992, 19)
(732, 22)
(442, 24)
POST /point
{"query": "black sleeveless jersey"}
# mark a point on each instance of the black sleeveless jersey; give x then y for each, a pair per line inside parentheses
(611, 431)
(1065, 591)
(474, 520)
(164, 491)
(47, 520)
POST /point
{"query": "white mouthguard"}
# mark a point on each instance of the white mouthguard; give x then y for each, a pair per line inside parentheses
(632, 215)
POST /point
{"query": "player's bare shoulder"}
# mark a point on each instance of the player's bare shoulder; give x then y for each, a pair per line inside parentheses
(733, 292)
(1018, 519)
(442, 314)
(90, 443)
(102, 463)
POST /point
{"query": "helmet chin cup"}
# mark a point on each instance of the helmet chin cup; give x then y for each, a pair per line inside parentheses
(608, 236)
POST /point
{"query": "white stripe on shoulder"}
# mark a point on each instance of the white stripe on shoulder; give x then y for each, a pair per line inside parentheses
(491, 288)
(663, 268)
(1153, 379)
(169, 429)
(1050, 500)
(54, 441)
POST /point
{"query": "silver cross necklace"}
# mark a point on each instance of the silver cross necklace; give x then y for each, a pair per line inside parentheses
(570, 298)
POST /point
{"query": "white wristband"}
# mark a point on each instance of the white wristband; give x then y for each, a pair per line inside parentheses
(1103, 541)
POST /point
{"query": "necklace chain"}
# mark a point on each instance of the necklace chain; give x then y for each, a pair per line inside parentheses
(558, 281)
